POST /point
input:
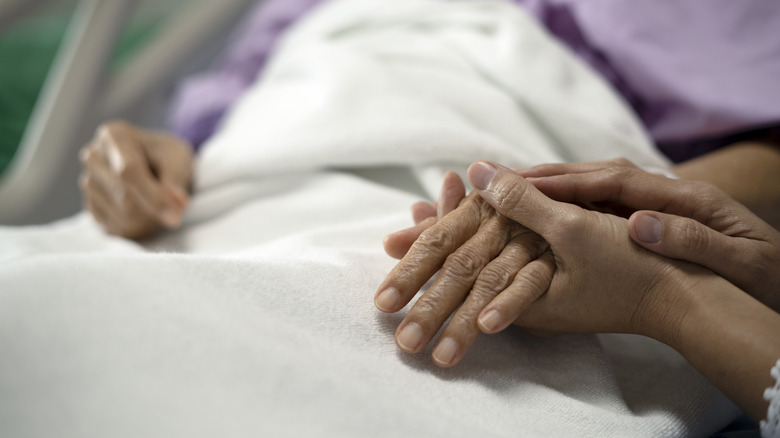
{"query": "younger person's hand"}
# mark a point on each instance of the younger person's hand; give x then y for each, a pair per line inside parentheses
(135, 181)
(603, 282)
(686, 220)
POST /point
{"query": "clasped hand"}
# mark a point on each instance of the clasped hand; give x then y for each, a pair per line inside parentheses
(565, 269)
(135, 181)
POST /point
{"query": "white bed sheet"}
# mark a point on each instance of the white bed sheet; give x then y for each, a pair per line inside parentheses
(257, 318)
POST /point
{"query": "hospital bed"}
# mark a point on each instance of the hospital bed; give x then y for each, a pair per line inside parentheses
(256, 318)
(81, 91)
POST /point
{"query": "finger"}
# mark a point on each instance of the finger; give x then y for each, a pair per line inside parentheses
(127, 161)
(426, 256)
(397, 244)
(452, 192)
(170, 158)
(128, 218)
(462, 330)
(422, 210)
(687, 239)
(551, 169)
(99, 204)
(514, 197)
(529, 284)
(95, 164)
(641, 190)
(455, 280)
(180, 197)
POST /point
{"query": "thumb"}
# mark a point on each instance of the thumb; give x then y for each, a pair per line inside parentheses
(687, 239)
(517, 199)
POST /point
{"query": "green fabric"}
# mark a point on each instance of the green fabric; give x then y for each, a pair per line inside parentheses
(26, 54)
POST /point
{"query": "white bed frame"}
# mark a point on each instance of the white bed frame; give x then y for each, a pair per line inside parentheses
(40, 183)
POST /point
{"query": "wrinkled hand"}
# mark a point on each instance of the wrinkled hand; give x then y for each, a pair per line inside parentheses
(425, 215)
(135, 181)
(479, 255)
(602, 281)
(686, 220)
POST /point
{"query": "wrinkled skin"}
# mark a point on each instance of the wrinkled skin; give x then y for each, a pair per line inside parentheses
(694, 221)
(479, 255)
(503, 272)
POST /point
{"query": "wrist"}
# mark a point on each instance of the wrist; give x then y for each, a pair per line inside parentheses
(673, 297)
(730, 338)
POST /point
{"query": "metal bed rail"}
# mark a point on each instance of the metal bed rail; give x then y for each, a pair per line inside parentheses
(39, 185)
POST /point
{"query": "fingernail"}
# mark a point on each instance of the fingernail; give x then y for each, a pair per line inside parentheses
(170, 218)
(490, 321)
(480, 174)
(649, 229)
(387, 300)
(410, 336)
(445, 351)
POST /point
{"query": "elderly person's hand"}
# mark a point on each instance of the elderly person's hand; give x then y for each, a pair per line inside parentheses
(135, 181)
(479, 254)
(685, 220)
(466, 261)
(426, 214)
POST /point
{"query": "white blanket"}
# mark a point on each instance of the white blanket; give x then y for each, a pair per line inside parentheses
(257, 317)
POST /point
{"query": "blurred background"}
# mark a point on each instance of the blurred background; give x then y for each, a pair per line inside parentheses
(67, 65)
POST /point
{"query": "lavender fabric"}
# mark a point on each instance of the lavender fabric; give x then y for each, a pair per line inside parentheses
(698, 74)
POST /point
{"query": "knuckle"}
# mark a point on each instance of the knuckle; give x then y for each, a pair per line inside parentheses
(571, 225)
(437, 239)
(693, 236)
(494, 279)
(88, 157)
(426, 311)
(706, 191)
(618, 172)
(709, 188)
(461, 264)
(624, 162)
(463, 323)
(535, 278)
(509, 195)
